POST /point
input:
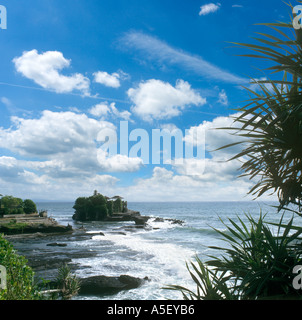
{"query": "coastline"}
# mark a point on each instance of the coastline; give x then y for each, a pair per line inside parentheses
(54, 247)
(30, 224)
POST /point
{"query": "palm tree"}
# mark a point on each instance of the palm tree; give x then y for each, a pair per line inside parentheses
(271, 121)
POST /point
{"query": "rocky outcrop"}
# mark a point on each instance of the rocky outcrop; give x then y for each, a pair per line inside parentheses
(129, 215)
(173, 221)
(29, 224)
(102, 285)
(40, 228)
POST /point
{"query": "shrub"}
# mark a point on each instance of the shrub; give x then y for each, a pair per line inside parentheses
(20, 285)
(29, 206)
(256, 264)
(11, 205)
(67, 282)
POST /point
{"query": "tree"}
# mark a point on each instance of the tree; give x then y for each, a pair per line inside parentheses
(29, 206)
(118, 205)
(271, 122)
(91, 208)
(11, 205)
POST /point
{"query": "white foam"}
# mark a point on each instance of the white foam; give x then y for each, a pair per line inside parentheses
(141, 254)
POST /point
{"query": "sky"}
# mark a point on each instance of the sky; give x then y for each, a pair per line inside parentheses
(73, 70)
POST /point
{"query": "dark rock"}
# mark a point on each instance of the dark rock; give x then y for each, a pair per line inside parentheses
(141, 220)
(101, 285)
(173, 221)
(43, 214)
(55, 244)
(101, 234)
(176, 221)
(119, 232)
(47, 264)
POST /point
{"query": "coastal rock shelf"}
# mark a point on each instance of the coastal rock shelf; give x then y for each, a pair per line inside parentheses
(29, 224)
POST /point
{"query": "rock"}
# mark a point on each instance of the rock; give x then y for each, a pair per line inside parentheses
(101, 234)
(43, 214)
(55, 244)
(44, 226)
(101, 285)
(141, 220)
(119, 233)
(173, 221)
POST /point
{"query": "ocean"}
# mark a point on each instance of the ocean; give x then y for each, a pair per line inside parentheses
(159, 253)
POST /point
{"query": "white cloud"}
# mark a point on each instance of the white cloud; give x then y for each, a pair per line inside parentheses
(223, 98)
(52, 133)
(44, 69)
(152, 48)
(103, 109)
(99, 110)
(71, 164)
(178, 187)
(40, 184)
(6, 102)
(209, 169)
(155, 99)
(216, 138)
(169, 126)
(64, 145)
(109, 80)
(209, 8)
(118, 162)
(125, 115)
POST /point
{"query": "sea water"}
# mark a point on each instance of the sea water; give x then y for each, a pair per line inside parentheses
(159, 253)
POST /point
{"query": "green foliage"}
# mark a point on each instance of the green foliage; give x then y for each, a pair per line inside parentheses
(12, 205)
(118, 205)
(92, 208)
(270, 125)
(110, 207)
(259, 262)
(97, 207)
(13, 225)
(29, 206)
(20, 284)
(67, 282)
(210, 285)
(256, 264)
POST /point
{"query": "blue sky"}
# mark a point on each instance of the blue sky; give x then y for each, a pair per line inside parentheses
(72, 68)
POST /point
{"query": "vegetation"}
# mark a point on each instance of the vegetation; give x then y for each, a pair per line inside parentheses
(258, 262)
(20, 278)
(68, 283)
(211, 285)
(97, 207)
(29, 206)
(15, 226)
(12, 205)
(270, 125)
(20, 285)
